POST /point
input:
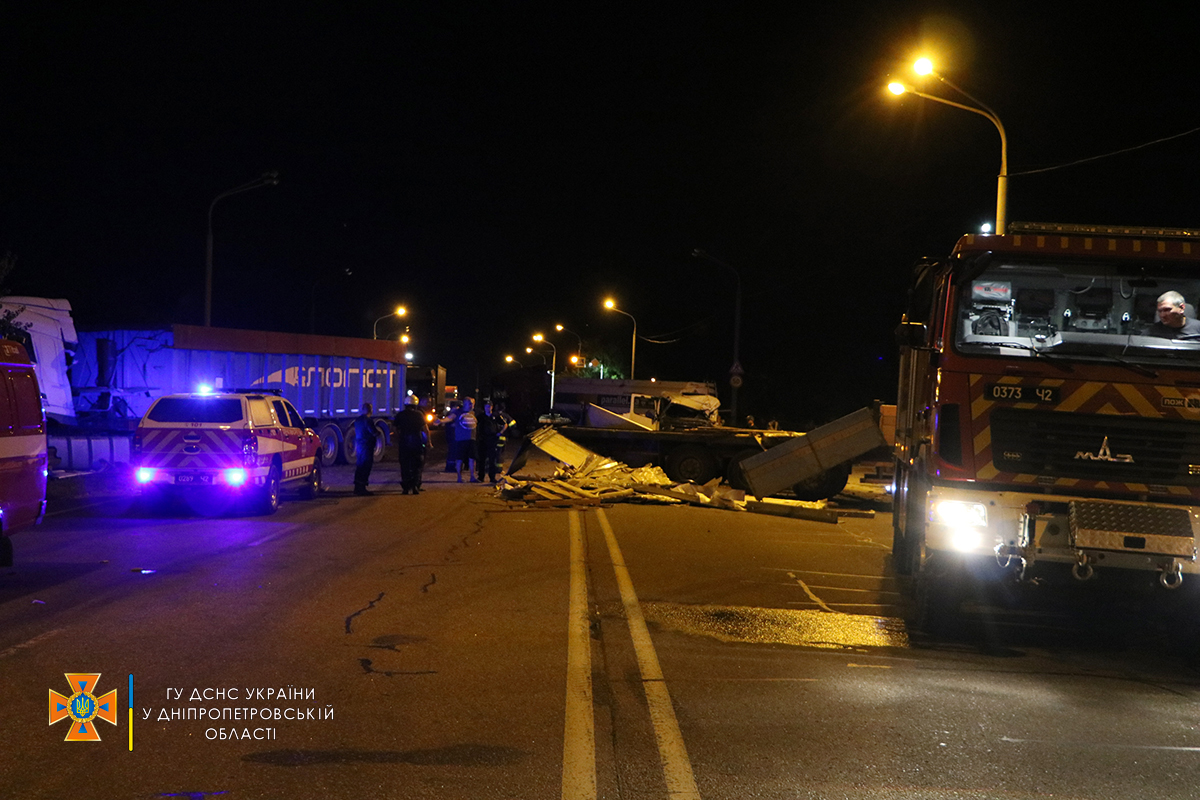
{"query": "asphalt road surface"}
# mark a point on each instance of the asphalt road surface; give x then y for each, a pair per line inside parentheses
(455, 645)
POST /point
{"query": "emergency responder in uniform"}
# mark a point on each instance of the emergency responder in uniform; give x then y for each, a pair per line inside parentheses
(365, 438)
(463, 423)
(489, 427)
(412, 436)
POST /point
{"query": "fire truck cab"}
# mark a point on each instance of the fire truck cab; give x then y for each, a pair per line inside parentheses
(1048, 425)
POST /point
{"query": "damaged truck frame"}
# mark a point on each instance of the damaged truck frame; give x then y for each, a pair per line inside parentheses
(1048, 426)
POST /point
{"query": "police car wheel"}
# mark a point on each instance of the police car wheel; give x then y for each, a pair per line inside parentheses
(314, 485)
(268, 501)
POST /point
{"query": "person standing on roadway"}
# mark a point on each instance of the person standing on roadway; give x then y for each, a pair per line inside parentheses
(365, 438)
(491, 425)
(463, 423)
(412, 437)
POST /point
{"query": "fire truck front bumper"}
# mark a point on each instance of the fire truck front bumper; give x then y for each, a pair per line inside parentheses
(1018, 530)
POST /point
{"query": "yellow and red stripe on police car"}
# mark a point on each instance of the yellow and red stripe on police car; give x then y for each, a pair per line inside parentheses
(175, 448)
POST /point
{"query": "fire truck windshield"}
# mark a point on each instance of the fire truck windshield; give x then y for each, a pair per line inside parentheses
(1082, 311)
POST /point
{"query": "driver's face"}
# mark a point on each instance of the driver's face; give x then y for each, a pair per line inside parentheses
(1171, 315)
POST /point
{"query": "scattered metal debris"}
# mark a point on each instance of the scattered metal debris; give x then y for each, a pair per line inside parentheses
(585, 478)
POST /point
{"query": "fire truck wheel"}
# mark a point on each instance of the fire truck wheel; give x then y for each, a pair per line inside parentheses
(692, 463)
(940, 592)
(733, 474)
(331, 444)
(314, 485)
(827, 484)
(906, 545)
(268, 498)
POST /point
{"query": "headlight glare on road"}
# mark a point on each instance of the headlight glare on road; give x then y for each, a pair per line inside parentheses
(966, 539)
(960, 514)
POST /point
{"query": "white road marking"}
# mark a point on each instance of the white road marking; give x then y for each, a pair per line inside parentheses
(1102, 745)
(41, 637)
(810, 594)
(677, 769)
(579, 734)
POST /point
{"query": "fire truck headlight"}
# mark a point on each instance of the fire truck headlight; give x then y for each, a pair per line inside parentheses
(958, 514)
(235, 476)
(144, 474)
(966, 539)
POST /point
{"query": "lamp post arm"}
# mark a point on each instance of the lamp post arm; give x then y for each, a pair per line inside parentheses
(1002, 179)
(266, 179)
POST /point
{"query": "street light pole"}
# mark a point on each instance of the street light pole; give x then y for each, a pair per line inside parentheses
(735, 372)
(925, 68)
(399, 312)
(537, 337)
(578, 338)
(266, 179)
(611, 305)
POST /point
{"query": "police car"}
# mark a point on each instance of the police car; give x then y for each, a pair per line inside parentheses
(240, 443)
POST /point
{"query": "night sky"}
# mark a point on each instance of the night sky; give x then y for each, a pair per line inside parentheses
(502, 167)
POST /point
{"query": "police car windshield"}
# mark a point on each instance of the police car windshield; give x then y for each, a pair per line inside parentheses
(1077, 310)
(197, 409)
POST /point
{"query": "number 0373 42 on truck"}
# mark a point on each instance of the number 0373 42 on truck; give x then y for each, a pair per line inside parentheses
(1048, 413)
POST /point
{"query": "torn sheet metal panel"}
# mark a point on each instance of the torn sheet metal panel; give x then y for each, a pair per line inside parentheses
(560, 448)
(596, 417)
(808, 456)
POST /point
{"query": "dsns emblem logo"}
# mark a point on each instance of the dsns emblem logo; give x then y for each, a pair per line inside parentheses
(1104, 455)
(83, 707)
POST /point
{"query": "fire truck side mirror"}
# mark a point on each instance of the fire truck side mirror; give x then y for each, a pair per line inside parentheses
(911, 334)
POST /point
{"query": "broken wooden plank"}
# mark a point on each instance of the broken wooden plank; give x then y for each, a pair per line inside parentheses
(795, 512)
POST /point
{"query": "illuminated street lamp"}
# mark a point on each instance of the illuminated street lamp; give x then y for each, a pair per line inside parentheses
(533, 352)
(512, 360)
(578, 338)
(924, 66)
(266, 179)
(399, 312)
(537, 337)
(611, 305)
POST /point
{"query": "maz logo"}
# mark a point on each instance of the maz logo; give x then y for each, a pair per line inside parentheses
(1104, 455)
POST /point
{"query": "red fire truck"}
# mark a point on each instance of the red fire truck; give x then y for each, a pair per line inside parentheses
(1048, 423)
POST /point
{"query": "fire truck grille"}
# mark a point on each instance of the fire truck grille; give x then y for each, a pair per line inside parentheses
(1099, 447)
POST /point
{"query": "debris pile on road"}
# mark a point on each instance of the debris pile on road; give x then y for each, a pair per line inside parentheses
(585, 478)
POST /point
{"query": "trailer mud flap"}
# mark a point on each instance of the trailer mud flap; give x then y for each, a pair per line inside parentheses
(809, 455)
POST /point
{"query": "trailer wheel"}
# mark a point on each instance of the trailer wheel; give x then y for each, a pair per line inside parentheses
(349, 445)
(382, 437)
(824, 485)
(692, 462)
(331, 444)
(733, 473)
